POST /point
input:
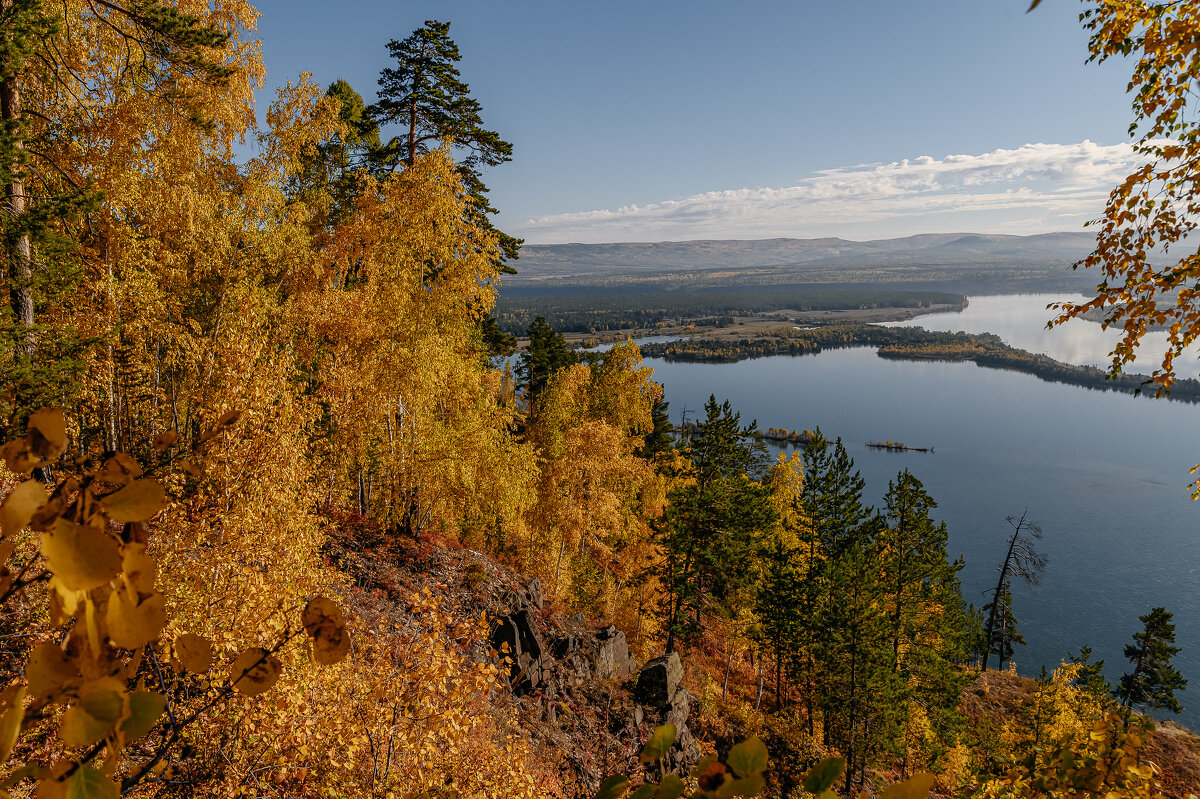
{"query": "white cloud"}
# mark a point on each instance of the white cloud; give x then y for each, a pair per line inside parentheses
(1034, 188)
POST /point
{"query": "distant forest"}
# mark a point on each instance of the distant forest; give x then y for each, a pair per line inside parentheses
(593, 313)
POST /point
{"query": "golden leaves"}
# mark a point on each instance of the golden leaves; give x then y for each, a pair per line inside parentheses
(194, 653)
(20, 505)
(95, 714)
(136, 502)
(323, 620)
(255, 671)
(12, 701)
(134, 622)
(48, 432)
(48, 670)
(81, 557)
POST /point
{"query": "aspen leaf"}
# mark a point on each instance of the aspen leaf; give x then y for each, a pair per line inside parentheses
(714, 778)
(94, 715)
(194, 653)
(255, 671)
(48, 432)
(145, 707)
(915, 787)
(140, 568)
(644, 792)
(323, 620)
(822, 776)
(165, 439)
(671, 787)
(120, 468)
(48, 670)
(85, 783)
(748, 757)
(747, 786)
(20, 505)
(132, 623)
(83, 558)
(13, 700)
(136, 502)
(613, 787)
(19, 457)
(660, 742)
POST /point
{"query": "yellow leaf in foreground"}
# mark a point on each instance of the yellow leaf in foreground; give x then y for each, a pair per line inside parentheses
(136, 502)
(326, 624)
(94, 715)
(83, 558)
(13, 701)
(48, 432)
(120, 468)
(915, 787)
(132, 623)
(255, 671)
(194, 652)
(145, 707)
(48, 670)
(18, 456)
(140, 568)
(20, 505)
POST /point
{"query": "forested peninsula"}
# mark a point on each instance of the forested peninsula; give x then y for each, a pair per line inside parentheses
(918, 344)
(282, 516)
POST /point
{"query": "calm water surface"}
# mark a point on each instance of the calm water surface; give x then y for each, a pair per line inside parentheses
(1104, 474)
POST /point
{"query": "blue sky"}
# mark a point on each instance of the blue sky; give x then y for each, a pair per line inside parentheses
(656, 120)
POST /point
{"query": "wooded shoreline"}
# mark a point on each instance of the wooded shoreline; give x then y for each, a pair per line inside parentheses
(916, 343)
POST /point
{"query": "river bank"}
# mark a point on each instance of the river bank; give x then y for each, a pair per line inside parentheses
(911, 343)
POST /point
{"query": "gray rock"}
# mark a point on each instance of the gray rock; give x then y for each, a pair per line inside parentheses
(677, 712)
(659, 680)
(685, 753)
(516, 637)
(612, 655)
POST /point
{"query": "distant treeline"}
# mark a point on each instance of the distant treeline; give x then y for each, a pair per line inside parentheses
(915, 343)
(594, 313)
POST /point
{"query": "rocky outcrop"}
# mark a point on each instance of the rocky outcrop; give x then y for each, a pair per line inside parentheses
(518, 642)
(659, 687)
(565, 671)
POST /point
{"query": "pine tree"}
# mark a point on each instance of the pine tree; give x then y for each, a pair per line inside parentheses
(1023, 560)
(1154, 680)
(1001, 635)
(713, 525)
(548, 352)
(1090, 676)
(929, 624)
(424, 93)
(777, 605)
(660, 437)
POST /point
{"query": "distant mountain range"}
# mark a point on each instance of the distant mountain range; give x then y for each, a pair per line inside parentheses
(580, 261)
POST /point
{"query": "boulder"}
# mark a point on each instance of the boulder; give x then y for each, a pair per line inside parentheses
(677, 712)
(659, 680)
(612, 654)
(516, 637)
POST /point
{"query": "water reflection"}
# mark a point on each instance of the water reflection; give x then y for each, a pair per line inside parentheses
(1020, 320)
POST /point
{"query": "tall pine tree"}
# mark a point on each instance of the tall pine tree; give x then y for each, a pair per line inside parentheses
(1154, 679)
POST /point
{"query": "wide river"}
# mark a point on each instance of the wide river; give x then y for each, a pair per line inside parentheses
(1105, 475)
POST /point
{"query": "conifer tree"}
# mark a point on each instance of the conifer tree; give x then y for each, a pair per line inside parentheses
(1001, 635)
(777, 605)
(1154, 679)
(425, 95)
(1023, 560)
(1090, 676)
(548, 352)
(713, 525)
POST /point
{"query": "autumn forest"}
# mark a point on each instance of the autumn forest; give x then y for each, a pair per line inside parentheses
(287, 512)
